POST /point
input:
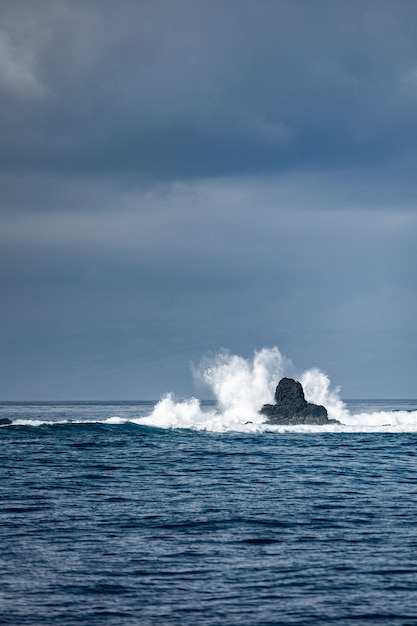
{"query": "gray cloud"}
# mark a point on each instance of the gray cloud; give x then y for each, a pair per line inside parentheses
(179, 177)
(195, 89)
(209, 264)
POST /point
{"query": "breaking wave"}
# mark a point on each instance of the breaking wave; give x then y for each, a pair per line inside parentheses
(241, 386)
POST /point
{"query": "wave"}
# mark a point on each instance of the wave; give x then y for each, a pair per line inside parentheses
(241, 386)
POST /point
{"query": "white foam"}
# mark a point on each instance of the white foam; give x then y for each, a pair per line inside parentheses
(382, 421)
(317, 389)
(241, 386)
(31, 422)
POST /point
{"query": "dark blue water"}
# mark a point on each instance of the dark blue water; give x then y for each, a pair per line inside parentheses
(121, 524)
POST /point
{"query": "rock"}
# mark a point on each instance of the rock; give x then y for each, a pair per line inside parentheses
(4, 421)
(291, 407)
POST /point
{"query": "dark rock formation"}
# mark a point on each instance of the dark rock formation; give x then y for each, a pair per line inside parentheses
(292, 408)
(4, 421)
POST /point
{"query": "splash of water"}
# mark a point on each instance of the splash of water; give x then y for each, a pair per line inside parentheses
(317, 389)
(241, 386)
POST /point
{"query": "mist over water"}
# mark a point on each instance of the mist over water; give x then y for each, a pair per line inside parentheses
(241, 386)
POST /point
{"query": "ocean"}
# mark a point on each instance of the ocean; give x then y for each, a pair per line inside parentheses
(177, 513)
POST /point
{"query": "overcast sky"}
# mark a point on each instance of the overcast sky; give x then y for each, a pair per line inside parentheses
(182, 177)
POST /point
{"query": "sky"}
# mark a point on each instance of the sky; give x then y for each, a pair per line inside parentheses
(181, 178)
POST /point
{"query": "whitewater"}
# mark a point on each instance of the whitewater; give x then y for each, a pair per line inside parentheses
(241, 386)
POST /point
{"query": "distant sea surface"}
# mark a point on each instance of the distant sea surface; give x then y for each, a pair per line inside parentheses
(107, 518)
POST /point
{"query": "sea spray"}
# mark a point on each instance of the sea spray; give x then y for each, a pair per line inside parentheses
(240, 387)
(317, 389)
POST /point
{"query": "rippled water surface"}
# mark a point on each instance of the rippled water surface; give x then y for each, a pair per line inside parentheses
(119, 523)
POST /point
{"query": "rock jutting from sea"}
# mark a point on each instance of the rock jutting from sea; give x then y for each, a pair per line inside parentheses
(291, 407)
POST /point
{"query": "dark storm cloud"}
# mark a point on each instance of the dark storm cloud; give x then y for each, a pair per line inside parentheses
(176, 177)
(116, 302)
(191, 89)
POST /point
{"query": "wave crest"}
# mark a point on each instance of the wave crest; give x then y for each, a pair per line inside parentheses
(241, 386)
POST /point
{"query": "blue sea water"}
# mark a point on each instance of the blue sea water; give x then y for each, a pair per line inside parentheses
(111, 516)
(183, 513)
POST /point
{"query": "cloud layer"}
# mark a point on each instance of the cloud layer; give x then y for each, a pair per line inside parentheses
(180, 177)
